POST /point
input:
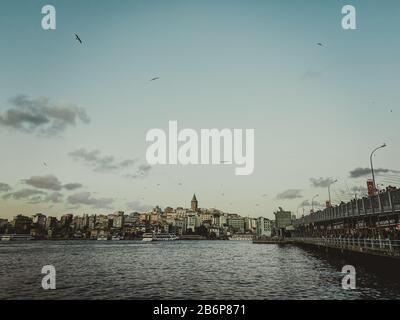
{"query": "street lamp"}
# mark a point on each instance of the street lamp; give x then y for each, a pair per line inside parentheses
(329, 191)
(312, 202)
(372, 167)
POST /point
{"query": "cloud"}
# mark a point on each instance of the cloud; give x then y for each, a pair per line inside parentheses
(34, 196)
(359, 189)
(54, 197)
(307, 203)
(50, 182)
(138, 207)
(23, 194)
(4, 187)
(361, 172)
(85, 198)
(142, 172)
(72, 186)
(41, 116)
(100, 163)
(289, 194)
(321, 182)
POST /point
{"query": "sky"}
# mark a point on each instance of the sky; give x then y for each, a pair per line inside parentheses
(74, 117)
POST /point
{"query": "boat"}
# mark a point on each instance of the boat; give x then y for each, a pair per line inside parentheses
(147, 237)
(241, 237)
(165, 236)
(16, 237)
(102, 238)
(116, 238)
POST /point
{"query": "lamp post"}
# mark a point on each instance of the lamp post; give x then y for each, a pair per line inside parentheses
(329, 192)
(312, 202)
(372, 167)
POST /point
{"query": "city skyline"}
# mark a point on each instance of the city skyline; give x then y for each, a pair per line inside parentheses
(317, 111)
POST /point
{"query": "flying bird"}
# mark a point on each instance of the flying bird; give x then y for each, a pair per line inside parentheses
(154, 79)
(320, 44)
(77, 38)
(45, 164)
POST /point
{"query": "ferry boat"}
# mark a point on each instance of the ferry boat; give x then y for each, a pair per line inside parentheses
(16, 237)
(241, 237)
(147, 237)
(165, 237)
(102, 238)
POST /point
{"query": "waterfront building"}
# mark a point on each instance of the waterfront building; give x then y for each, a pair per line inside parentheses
(236, 223)
(92, 221)
(66, 220)
(39, 220)
(181, 212)
(283, 218)
(264, 227)
(51, 223)
(3, 225)
(119, 219)
(21, 224)
(250, 224)
(189, 223)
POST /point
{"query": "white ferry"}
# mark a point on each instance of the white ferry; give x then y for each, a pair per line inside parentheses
(147, 237)
(241, 237)
(16, 237)
(165, 237)
(102, 238)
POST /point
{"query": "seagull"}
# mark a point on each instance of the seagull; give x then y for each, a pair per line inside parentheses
(77, 38)
(179, 184)
(264, 195)
(320, 44)
(153, 79)
(45, 164)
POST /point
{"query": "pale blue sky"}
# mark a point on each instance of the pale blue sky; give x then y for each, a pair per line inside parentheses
(317, 111)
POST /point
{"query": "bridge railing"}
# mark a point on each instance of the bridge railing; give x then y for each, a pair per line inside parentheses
(371, 244)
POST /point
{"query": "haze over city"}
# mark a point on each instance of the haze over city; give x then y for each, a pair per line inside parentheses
(74, 116)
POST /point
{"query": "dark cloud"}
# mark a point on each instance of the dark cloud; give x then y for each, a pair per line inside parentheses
(4, 187)
(142, 172)
(23, 194)
(362, 172)
(41, 116)
(136, 206)
(33, 196)
(100, 163)
(289, 194)
(72, 186)
(321, 182)
(50, 182)
(85, 198)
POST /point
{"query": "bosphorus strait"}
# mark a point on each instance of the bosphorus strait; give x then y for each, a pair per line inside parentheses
(179, 270)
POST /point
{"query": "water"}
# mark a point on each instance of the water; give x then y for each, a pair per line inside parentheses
(179, 270)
